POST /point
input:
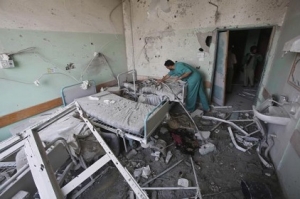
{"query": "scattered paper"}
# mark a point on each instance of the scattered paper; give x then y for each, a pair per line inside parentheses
(93, 98)
(201, 56)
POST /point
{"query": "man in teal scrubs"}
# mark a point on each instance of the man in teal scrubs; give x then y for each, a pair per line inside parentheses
(193, 77)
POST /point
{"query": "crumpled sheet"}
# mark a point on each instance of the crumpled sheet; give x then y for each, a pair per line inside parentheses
(66, 127)
(148, 88)
(122, 114)
(150, 99)
(172, 87)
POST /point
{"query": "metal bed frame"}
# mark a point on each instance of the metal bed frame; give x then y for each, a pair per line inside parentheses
(152, 120)
(13, 144)
(69, 93)
(42, 171)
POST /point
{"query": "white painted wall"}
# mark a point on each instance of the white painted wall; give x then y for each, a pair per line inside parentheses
(158, 35)
(64, 16)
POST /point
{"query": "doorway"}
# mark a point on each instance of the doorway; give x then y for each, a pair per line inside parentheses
(228, 87)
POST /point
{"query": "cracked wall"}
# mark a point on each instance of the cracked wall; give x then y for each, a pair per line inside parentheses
(182, 30)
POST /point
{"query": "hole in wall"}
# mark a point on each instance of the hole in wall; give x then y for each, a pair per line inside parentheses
(208, 41)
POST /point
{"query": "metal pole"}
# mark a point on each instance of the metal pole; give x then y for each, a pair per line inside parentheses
(64, 174)
(195, 175)
(162, 173)
(249, 124)
(13, 178)
(234, 142)
(219, 123)
(168, 188)
(225, 121)
(240, 120)
(221, 107)
(241, 111)
(254, 132)
(182, 105)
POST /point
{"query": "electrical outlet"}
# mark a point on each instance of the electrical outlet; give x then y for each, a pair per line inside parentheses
(7, 64)
(70, 66)
(97, 54)
(36, 82)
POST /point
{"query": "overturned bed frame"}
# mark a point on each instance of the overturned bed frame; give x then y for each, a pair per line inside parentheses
(42, 171)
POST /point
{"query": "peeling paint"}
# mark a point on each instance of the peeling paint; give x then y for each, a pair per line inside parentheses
(152, 48)
(201, 39)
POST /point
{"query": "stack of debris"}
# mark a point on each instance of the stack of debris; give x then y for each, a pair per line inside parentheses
(69, 164)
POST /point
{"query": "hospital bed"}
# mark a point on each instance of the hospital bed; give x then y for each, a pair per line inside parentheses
(127, 118)
(173, 90)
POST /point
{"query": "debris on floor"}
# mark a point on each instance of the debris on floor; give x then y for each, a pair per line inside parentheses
(207, 148)
(197, 112)
(169, 156)
(131, 154)
(221, 154)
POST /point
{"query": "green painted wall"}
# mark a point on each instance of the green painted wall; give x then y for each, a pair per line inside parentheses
(53, 49)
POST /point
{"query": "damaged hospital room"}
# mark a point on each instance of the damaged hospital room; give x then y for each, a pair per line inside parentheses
(150, 99)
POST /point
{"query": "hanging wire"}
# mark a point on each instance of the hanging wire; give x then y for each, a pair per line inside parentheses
(22, 51)
(50, 62)
(16, 80)
(88, 65)
(109, 66)
(55, 73)
(110, 18)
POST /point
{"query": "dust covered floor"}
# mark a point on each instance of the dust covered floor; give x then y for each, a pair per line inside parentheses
(241, 98)
(219, 173)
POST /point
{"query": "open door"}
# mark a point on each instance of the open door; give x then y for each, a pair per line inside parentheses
(218, 95)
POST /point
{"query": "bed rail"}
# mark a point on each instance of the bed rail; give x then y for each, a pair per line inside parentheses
(129, 76)
(125, 77)
(151, 122)
(155, 118)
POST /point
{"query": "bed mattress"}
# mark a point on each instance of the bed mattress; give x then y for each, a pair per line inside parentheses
(173, 87)
(116, 111)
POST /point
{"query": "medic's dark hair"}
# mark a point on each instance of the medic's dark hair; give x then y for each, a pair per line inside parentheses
(253, 48)
(169, 63)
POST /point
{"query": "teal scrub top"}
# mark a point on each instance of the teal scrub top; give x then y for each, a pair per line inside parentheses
(195, 85)
(181, 68)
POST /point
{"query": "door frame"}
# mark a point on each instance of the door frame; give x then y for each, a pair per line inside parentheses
(266, 62)
(222, 76)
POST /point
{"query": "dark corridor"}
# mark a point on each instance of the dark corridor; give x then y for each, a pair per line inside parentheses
(241, 41)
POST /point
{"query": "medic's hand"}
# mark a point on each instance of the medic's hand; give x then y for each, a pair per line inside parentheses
(160, 81)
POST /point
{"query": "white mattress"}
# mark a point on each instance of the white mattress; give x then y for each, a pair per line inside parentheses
(116, 111)
(163, 90)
